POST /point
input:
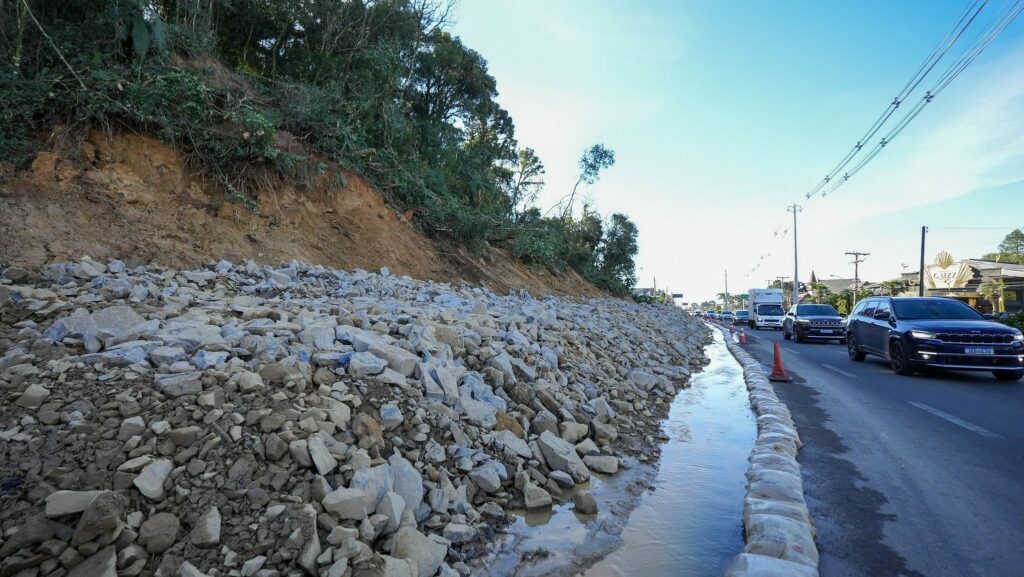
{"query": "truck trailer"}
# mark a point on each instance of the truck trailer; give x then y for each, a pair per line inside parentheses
(765, 306)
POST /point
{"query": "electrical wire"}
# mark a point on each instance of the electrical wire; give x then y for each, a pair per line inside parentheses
(966, 18)
(957, 68)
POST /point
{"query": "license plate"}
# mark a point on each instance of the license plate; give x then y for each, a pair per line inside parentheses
(826, 331)
(979, 351)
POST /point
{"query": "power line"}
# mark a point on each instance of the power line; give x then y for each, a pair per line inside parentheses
(1011, 228)
(966, 18)
(969, 56)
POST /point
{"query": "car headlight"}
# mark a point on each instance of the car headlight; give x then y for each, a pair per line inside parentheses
(1019, 336)
(804, 321)
(922, 335)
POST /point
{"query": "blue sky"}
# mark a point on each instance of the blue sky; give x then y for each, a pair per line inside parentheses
(723, 112)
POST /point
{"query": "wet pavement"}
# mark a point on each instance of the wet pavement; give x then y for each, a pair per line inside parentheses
(686, 515)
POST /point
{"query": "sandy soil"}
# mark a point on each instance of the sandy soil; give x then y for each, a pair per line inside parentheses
(133, 197)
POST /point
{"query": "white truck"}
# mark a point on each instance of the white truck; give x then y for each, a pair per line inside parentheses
(765, 306)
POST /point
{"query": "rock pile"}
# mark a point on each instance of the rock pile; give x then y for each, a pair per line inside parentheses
(253, 421)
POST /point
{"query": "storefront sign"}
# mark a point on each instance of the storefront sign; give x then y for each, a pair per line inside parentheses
(947, 274)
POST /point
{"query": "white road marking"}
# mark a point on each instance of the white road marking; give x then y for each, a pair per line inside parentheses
(840, 371)
(797, 353)
(956, 421)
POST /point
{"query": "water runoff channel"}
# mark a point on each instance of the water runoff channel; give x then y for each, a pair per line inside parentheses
(681, 518)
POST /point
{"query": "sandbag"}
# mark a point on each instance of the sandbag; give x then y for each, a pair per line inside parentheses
(795, 511)
(748, 565)
(776, 461)
(777, 485)
(781, 429)
(778, 443)
(781, 537)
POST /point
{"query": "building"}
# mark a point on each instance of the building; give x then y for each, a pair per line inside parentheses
(988, 286)
(832, 285)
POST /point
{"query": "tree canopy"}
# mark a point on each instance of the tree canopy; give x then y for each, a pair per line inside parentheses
(1010, 250)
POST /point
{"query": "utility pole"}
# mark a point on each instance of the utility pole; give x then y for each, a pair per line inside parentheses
(795, 208)
(726, 290)
(856, 274)
(920, 273)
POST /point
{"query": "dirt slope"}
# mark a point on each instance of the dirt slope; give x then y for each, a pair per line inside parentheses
(132, 197)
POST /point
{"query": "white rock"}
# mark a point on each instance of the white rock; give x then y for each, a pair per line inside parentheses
(398, 359)
(391, 416)
(346, 503)
(103, 563)
(375, 482)
(602, 463)
(322, 458)
(151, 481)
(189, 570)
(391, 506)
(427, 552)
(365, 365)
(206, 532)
(61, 503)
(562, 456)
(33, 396)
(535, 497)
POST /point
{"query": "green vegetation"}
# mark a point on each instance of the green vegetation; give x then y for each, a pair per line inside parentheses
(1016, 321)
(1011, 250)
(842, 300)
(258, 92)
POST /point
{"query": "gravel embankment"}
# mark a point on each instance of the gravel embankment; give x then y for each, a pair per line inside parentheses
(245, 420)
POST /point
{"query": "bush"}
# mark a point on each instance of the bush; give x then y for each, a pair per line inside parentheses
(1016, 321)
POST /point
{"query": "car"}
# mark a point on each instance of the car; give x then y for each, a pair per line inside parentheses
(726, 317)
(742, 317)
(713, 315)
(812, 322)
(916, 333)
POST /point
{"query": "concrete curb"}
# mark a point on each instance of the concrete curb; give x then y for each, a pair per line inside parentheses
(778, 528)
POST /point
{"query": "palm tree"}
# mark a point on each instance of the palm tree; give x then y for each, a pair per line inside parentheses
(895, 286)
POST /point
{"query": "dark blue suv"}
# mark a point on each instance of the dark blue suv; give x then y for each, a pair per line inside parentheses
(914, 333)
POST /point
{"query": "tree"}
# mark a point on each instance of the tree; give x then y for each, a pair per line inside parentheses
(1010, 250)
(895, 286)
(993, 291)
(594, 160)
(617, 251)
(527, 180)
(1013, 243)
(819, 292)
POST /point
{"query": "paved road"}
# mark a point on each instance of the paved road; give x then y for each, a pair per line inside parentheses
(915, 475)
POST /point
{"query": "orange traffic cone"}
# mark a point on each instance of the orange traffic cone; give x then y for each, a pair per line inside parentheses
(743, 337)
(778, 371)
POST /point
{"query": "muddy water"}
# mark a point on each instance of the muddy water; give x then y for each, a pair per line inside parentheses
(688, 525)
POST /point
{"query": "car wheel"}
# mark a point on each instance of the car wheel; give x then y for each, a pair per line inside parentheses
(1008, 375)
(797, 336)
(898, 359)
(785, 334)
(856, 355)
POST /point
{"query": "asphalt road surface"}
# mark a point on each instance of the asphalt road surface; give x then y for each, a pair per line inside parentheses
(918, 475)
